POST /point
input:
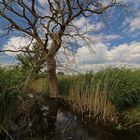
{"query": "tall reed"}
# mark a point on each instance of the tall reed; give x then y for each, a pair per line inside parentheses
(94, 103)
(105, 94)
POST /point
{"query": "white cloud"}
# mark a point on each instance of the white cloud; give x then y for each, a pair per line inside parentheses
(84, 59)
(16, 43)
(42, 2)
(84, 25)
(98, 55)
(125, 55)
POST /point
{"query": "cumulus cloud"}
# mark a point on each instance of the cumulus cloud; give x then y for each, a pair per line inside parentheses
(125, 55)
(87, 56)
(99, 56)
(84, 25)
(14, 44)
(94, 57)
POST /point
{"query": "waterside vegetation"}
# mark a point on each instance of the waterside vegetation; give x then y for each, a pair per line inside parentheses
(110, 96)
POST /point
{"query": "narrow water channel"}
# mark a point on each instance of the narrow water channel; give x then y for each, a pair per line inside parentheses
(67, 127)
(60, 124)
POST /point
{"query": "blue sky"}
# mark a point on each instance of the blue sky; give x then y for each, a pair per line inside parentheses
(114, 37)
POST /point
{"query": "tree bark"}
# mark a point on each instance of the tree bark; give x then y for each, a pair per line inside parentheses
(52, 79)
(51, 65)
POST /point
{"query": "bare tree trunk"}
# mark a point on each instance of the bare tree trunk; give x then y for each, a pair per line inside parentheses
(52, 79)
(51, 65)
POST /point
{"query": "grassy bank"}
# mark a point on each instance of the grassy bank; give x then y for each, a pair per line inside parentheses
(11, 89)
(111, 96)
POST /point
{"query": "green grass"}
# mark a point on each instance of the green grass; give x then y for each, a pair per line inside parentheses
(11, 84)
(39, 85)
(8, 105)
(122, 85)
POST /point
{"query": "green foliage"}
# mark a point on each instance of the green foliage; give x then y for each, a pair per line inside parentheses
(39, 86)
(65, 83)
(11, 77)
(11, 80)
(32, 61)
(121, 85)
(131, 116)
(8, 104)
(61, 73)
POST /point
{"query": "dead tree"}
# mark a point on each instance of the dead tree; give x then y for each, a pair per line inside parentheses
(48, 23)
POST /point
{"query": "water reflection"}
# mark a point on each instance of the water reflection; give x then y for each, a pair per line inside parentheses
(67, 127)
(61, 124)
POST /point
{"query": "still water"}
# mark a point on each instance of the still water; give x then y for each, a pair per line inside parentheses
(61, 124)
(67, 127)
